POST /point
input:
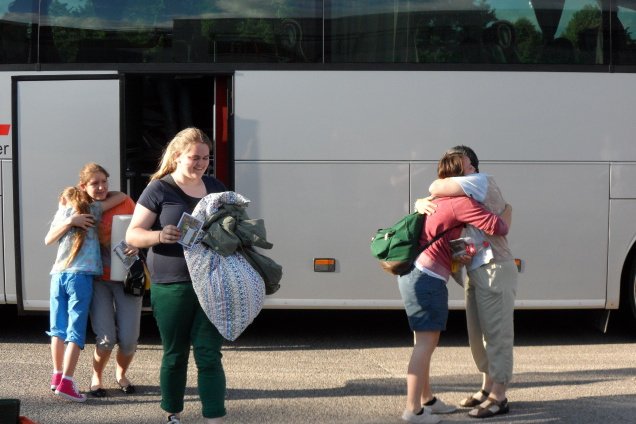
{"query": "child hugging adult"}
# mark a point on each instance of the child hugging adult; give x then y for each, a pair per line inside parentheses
(77, 262)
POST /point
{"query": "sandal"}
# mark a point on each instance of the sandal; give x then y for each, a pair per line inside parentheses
(98, 392)
(490, 408)
(128, 389)
(471, 401)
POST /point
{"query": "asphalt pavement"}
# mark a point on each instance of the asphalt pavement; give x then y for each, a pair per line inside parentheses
(295, 366)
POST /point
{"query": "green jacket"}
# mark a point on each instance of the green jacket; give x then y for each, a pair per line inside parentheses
(230, 230)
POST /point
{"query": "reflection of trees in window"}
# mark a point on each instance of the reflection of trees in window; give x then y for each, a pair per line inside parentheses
(623, 45)
(529, 41)
(585, 19)
(66, 32)
(18, 41)
(451, 31)
(100, 30)
(584, 32)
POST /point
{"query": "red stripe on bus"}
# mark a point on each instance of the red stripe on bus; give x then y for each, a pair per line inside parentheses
(4, 129)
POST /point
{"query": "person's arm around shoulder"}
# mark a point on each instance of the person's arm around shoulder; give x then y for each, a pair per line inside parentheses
(446, 187)
(442, 187)
(113, 199)
(141, 236)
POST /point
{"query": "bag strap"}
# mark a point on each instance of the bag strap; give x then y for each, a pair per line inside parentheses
(191, 202)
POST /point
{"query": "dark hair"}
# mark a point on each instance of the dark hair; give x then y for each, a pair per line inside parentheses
(451, 165)
(468, 152)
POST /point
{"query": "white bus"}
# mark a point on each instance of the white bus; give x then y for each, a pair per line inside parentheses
(330, 117)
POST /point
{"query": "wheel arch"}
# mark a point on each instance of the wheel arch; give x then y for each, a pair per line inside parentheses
(627, 302)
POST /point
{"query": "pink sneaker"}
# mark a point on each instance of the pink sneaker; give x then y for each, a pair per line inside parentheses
(56, 378)
(68, 390)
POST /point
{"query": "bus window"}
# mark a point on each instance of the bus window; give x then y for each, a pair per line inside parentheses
(17, 32)
(462, 31)
(148, 31)
(623, 24)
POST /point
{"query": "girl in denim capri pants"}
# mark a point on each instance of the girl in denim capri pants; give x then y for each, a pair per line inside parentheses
(78, 261)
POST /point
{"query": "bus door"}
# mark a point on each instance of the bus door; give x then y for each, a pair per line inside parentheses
(59, 124)
(157, 106)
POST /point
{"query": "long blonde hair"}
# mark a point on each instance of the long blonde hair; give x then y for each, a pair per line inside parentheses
(80, 201)
(179, 144)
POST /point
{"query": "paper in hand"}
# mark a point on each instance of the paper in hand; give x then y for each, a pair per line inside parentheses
(189, 226)
(119, 251)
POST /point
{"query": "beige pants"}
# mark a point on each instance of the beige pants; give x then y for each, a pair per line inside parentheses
(490, 302)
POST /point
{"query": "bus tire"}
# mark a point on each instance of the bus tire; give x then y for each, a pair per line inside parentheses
(628, 292)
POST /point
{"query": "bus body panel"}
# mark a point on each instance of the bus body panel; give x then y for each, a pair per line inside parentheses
(61, 125)
(8, 240)
(327, 210)
(563, 245)
(622, 179)
(341, 166)
(622, 237)
(565, 260)
(409, 115)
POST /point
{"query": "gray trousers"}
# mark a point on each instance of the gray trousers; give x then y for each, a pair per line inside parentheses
(115, 317)
(490, 302)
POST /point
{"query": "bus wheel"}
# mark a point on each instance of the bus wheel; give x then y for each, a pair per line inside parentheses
(631, 285)
(628, 298)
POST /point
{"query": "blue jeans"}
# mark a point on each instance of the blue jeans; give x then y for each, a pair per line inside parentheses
(425, 301)
(71, 295)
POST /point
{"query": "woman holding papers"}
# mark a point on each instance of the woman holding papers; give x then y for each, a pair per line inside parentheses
(114, 315)
(174, 189)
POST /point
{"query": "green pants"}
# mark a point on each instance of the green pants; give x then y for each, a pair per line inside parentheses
(182, 323)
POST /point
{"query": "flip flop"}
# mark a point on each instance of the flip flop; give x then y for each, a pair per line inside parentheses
(490, 408)
(98, 392)
(128, 389)
(471, 402)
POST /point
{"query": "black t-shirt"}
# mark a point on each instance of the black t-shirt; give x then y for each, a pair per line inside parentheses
(166, 262)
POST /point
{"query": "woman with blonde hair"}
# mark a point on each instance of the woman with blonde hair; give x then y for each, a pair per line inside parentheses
(174, 189)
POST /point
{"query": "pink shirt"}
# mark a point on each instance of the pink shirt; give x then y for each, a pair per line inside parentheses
(453, 212)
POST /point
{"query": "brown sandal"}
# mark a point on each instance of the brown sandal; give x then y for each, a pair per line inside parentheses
(490, 408)
(471, 401)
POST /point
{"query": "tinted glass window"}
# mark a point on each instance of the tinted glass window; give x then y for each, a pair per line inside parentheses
(464, 31)
(624, 33)
(301, 31)
(192, 31)
(17, 31)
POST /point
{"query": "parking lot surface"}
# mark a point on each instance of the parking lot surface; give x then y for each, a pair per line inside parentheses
(345, 367)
